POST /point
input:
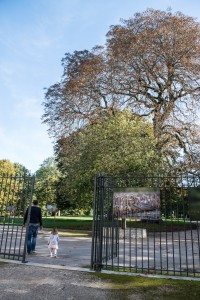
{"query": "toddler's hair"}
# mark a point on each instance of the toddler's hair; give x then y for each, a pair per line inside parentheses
(54, 231)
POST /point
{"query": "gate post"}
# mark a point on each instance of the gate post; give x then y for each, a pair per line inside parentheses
(28, 219)
(93, 248)
(98, 221)
(99, 266)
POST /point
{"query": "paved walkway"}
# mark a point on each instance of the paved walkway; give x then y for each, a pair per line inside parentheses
(73, 251)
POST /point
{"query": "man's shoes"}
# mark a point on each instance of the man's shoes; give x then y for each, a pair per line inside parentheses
(31, 252)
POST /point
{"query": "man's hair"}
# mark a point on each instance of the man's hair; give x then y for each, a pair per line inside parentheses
(35, 202)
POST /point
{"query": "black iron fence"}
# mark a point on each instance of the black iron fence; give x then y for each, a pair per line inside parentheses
(147, 224)
(15, 196)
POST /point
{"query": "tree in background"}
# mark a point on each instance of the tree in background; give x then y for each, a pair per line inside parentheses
(12, 169)
(12, 183)
(21, 170)
(121, 144)
(150, 65)
(7, 171)
(46, 178)
(7, 168)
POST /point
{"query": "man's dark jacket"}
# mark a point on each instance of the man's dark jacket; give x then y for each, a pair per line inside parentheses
(35, 217)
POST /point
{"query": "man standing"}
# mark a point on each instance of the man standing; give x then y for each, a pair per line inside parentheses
(35, 222)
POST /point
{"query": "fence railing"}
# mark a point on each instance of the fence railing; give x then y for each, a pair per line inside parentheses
(147, 224)
(15, 196)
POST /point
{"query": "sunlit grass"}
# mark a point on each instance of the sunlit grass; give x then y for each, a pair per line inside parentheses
(76, 223)
(85, 223)
(75, 233)
(151, 288)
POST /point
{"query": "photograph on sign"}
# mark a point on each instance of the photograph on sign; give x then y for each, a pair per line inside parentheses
(142, 203)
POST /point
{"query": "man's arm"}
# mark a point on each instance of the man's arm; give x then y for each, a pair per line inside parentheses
(40, 219)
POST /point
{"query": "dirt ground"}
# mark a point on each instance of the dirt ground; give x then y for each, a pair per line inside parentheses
(23, 282)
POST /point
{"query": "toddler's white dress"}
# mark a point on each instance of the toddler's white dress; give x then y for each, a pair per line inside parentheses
(53, 244)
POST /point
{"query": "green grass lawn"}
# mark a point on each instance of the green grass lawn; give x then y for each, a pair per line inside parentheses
(85, 223)
(69, 222)
(76, 223)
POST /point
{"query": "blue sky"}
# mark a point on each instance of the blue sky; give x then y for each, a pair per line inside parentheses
(34, 36)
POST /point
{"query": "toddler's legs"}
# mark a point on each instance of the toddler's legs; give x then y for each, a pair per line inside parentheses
(51, 252)
(54, 252)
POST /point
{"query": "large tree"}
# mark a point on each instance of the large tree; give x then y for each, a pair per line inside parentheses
(154, 59)
(150, 65)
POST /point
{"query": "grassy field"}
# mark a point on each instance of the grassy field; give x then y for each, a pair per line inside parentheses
(85, 223)
(76, 223)
(69, 222)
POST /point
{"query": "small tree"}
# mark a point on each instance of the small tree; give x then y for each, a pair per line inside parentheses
(45, 183)
(121, 144)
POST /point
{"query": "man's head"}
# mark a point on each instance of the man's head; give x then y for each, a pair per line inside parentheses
(35, 202)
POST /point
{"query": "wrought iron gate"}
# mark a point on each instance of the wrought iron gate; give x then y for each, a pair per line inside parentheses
(147, 224)
(15, 196)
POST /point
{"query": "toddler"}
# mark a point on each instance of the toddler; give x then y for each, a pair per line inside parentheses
(53, 243)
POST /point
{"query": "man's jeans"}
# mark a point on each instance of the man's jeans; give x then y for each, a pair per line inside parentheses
(32, 237)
